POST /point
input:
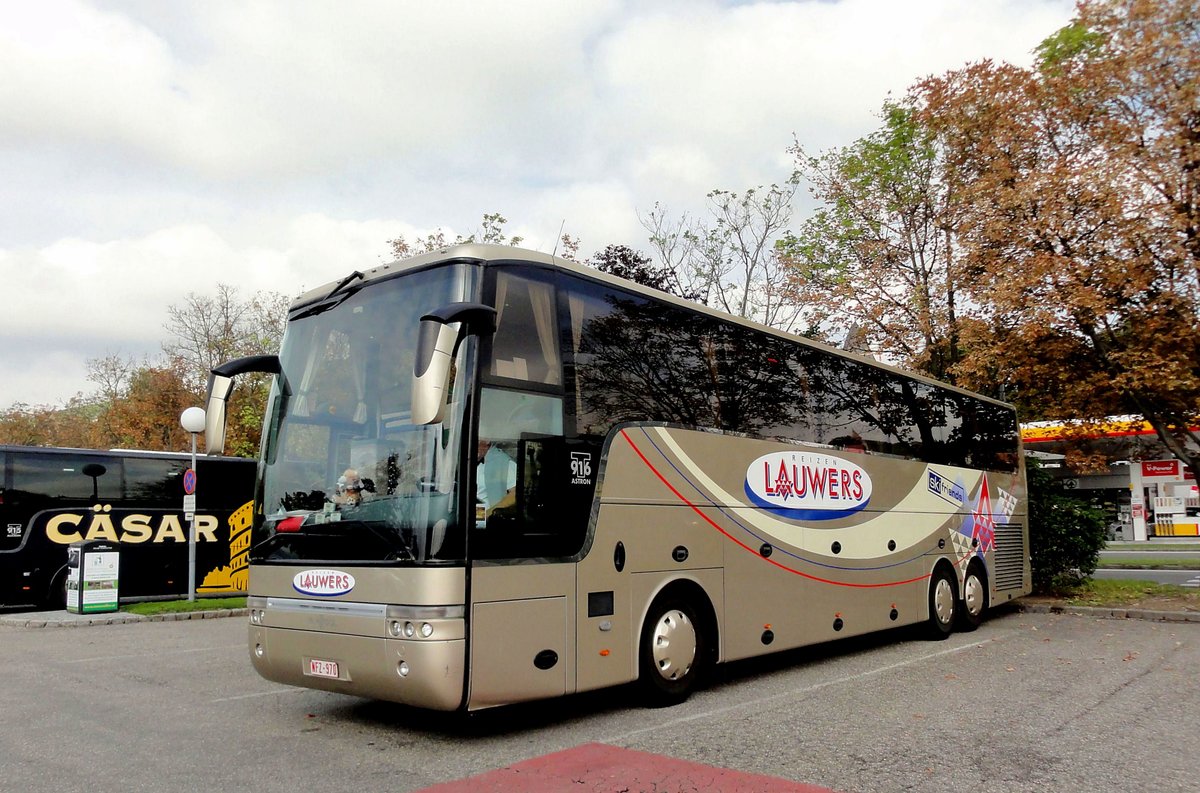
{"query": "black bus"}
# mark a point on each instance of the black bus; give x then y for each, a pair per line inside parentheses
(50, 498)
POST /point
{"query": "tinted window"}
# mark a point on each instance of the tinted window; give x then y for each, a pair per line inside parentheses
(765, 385)
(154, 479)
(634, 359)
(66, 476)
(984, 435)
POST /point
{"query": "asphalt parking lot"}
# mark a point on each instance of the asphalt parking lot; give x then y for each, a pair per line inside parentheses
(1028, 702)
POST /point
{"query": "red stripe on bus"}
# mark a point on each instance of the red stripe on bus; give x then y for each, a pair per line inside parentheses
(743, 545)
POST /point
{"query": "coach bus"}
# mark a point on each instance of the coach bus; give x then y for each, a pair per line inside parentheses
(50, 498)
(492, 475)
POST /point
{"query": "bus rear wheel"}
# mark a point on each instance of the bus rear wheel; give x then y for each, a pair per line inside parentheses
(674, 651)
(55, 598)
(942, 602)
(974, 600)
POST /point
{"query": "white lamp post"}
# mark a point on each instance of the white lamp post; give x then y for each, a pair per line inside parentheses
(192, 420)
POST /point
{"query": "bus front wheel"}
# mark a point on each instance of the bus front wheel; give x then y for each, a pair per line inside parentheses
(942, 601)
(674, 650)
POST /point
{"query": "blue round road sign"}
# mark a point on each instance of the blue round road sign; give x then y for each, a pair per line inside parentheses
(189, 482)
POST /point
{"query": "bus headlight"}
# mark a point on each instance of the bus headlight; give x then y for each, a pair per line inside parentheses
(394, 628)
(409, 630)
(402, 668)
(426, 630)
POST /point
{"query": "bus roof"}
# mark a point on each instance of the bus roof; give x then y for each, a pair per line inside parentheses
(485, 254)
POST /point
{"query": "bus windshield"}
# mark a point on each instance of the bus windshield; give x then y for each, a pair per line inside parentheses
(347, 477)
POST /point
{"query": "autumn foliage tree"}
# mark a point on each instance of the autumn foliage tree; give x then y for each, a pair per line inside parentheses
(146, 416)
(136, 404)
(73, 424)
(1076, 185)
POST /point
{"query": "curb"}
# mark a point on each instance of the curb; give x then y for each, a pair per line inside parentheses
(63, 619)
(1111, 613)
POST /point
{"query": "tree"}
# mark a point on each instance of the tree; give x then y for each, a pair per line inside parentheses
(877, 264)
(208, 330)
(146, 415)
(730, 263)
(491, 231)
(1066, 534)
(111, 374)
(1078, 189)
(624, 262)
(72, 425)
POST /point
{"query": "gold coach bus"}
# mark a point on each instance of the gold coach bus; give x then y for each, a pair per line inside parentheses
(491, 475)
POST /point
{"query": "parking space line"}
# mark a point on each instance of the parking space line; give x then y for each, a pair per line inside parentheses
(756, 703)
(286, 690)
(143, 655)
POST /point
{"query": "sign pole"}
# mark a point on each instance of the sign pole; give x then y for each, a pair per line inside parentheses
(192, 538)
(192, 420)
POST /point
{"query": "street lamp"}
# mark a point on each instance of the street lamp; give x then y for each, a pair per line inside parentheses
(192, 420)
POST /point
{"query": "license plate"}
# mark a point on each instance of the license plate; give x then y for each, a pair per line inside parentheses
(319, 668)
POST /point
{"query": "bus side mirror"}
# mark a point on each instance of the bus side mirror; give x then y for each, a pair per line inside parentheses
(220, 386)
(437, 343)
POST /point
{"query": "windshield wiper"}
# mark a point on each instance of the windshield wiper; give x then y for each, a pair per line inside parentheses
(335, 297)
(356, 275)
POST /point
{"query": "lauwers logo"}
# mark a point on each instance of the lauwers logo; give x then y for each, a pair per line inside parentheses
(807, 485)
(323, 583)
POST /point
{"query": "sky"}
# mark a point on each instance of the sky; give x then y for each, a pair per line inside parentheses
(149, 150)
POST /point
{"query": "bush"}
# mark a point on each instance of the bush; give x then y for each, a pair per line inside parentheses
(1066, 534)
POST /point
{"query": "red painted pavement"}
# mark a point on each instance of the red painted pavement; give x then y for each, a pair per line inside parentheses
(599, 768)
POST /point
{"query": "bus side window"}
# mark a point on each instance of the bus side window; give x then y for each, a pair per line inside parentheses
(525, 345)
(82, 478)
(151, 478)
(522, 470)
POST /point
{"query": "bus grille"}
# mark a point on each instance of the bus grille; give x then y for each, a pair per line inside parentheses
(1010, 556)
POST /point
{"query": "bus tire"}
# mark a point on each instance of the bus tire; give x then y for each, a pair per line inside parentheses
(674, 651)
(942, 602)
(56, 595)
(975, 598)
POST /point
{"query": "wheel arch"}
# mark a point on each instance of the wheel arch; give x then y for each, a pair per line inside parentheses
(693, 592)
(55, 595)
(978, 564)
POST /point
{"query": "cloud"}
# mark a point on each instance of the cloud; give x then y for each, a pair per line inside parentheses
(75, 299)
(284, 91)
(154, 148)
